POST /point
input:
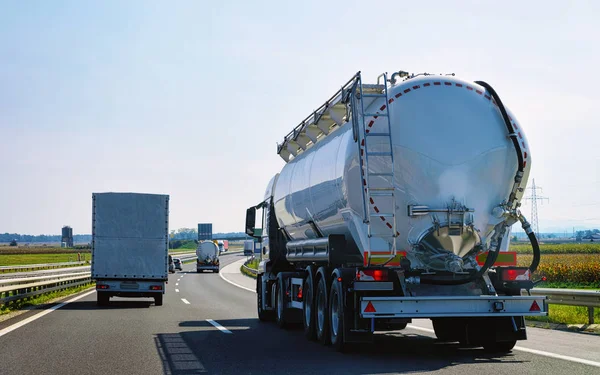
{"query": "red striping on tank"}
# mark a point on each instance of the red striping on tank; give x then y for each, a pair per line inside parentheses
(437, 83)
(515, 126)
(397, 233)
(407, 90)
(362, 143)
(427, 84)
(372, 201)
(371, 123)
(525, 154)
(469, 88)
(459, 85)
(524, 163)
(382, 218)
(479, 92)
(375, 117)
(391, 101)
(487, 97)
(416, 87)
(398, 95)
(376, 209)
(523, 143)
(382, 107)
(362, 152)
(389, 225)
(510, 118)
(448, 83)
(520, 136)
(367, 130)
(364, 182)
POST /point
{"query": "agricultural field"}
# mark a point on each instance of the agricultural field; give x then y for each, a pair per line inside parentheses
(562, 248)
(566, 270)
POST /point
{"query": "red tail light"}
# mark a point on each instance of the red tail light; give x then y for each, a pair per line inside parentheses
(156, 287)
(101, 286)
(514, 274)
(300, 293)
(372, 275)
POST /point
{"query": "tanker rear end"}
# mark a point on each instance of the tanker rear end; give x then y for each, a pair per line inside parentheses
(387, 211)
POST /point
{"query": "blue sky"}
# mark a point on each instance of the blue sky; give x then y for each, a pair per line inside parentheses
(189, 99)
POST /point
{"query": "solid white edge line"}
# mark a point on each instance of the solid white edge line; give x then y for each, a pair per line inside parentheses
(238, 285)
(185, 301)
(532, 351)
(218, 326)
(45, 312)
(558, 356)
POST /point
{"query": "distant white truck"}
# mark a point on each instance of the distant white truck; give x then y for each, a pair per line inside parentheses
(208, 257)
(130, 245)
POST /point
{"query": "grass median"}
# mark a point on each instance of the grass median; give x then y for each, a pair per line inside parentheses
(253, 264)
(36, 301)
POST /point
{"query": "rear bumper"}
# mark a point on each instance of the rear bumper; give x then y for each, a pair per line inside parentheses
(452, 306)
(130, 288)
(207, 267)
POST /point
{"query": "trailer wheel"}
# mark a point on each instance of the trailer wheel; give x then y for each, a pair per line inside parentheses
(102, 299)
(308, 305)
(322, 312)
(280, 310)
(499, 347)
(263, 315)
(336, 315)
(158, 300)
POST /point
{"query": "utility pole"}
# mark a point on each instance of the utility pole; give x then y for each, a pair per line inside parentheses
(534, 198)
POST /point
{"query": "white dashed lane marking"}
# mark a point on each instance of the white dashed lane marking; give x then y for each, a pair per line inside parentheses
(185, 301)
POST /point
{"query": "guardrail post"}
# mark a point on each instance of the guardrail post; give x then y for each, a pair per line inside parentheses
(590, 315)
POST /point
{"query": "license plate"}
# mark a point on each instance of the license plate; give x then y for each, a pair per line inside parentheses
(129, 285)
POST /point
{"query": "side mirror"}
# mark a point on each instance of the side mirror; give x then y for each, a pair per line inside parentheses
(250, 220)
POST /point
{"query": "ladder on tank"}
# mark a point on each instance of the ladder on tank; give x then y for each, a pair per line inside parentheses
(384, 174)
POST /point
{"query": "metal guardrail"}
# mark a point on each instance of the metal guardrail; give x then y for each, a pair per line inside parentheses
(17, 289)
(248, 269)
(571, 297)
(32, 267)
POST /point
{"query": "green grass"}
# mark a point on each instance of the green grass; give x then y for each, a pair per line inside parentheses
(567, 315)
(41, 299)
(252, 264)
(18, 259)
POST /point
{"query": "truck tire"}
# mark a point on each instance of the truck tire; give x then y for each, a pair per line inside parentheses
(322, 311)
(280, 310)
(158, 300)
(103, 298)
(263, 315)
(308, 305)
(336, 315)
(499, 347)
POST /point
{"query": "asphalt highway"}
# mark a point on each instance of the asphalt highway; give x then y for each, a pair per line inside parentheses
(208, 325)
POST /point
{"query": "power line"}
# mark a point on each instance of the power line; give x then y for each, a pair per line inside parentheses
(534, 198)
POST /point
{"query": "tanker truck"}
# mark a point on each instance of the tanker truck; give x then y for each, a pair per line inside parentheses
(207, 253)
(395, 203)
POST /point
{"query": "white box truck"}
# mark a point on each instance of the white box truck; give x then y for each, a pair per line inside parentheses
(130, 245)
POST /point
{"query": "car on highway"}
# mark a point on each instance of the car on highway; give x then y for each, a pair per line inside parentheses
(178, 264)
(171, 264)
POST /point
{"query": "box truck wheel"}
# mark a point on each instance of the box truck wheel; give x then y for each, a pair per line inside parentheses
(308, 305)
(322, 313)
(336, 315)
(263, 315)
(280, 310)
(158, 300)
(102, 298)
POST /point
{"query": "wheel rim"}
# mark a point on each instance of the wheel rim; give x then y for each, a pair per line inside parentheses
(308, 307)
(320, 309)
(334, 313)
(279, 304)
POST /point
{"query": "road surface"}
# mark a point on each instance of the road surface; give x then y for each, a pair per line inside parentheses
(210, 326)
